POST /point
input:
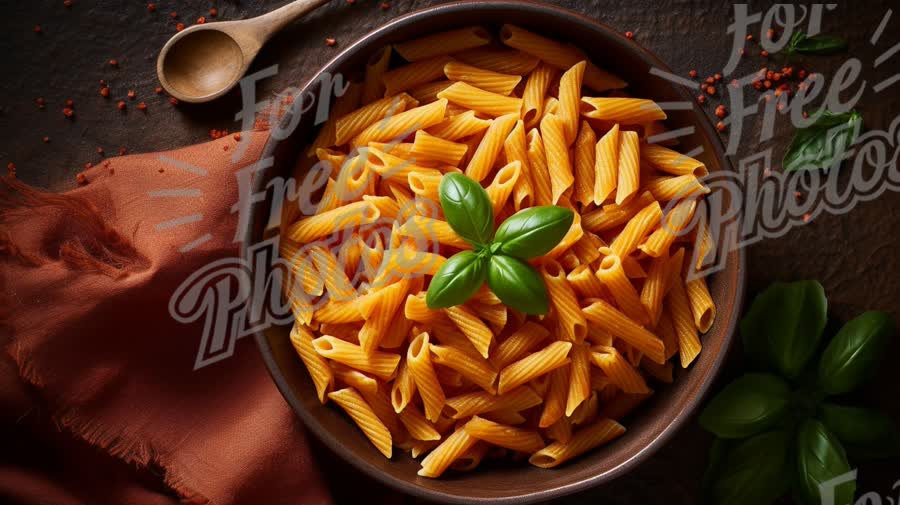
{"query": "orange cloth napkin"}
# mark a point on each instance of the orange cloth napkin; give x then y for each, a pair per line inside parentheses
(95, 366)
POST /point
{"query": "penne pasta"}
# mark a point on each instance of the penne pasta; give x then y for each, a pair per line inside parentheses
(419, 360)
(479, 100)
(540, 173)
(517, 439)
(413, 75)
(504, 61)
(621, 110)
(533, 365)
(535, 92)
(569, 100)
(487, 80)
(582, 441)
(443, 43)
(610, 319)
(373, 87)
(628, 167)
(556, 147)
(364, 417)
(459, 126)
(559, 55)
(486, 154)
(380, 364)
(673, 162)
(585, 164)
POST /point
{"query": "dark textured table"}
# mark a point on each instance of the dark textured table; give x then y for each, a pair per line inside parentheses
(854, 255)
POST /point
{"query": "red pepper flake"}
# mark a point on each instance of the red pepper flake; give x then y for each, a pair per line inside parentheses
(158, 90)
(213, 12)
(225, 147)
(710, 80)
(142, 106)
(743, 52)
(629, 35)
(131, 94)
(717, 77)
(776, 76)
(173, 101)
(81, 178)
(46, 140)
(151, 7)
(122, 151)
(797, 194)
(770, 34)
(385, 6)
(121, 105)
(767, 83)
(201, 20)
(88, 165)
(805, 115)
(40, 101)
(37, 29)
(237, 136)
(114, 62)
(214, 134)
(67, 3)
(735, 83)
(806, 217)
(720, 126)
(351, 2)
(721, 111)
(173, 14)
(69, 113)
(767, 172)
(692, 73)
(330, 42)
(711, 90)
(179, 27)
(161, 170)
(779, 106)
(100, 151)
(757, 85)
(701, 99)
(764, 53)
(801, 74)
(70, 104)
(750, 37)
(11, 166)
(770, 74)
(104, 92)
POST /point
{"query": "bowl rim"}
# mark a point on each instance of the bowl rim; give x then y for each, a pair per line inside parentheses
(679, 418)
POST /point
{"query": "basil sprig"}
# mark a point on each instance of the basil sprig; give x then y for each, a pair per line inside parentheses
(499, 259)
(823, 143)
(776, 428)
(817, 44)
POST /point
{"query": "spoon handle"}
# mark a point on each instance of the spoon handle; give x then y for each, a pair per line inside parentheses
(271, 23)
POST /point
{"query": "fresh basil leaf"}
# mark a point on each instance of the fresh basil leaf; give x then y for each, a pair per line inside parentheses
(534, 231)
(518, 285)
(824, 143)
(467, 208)
(783, 327)
(749, 405)
(820, 44)
(754, 472)
(796, 38)
(852, 356)
(457, 280)
(718, 451)
(865, 433)
(821, 458)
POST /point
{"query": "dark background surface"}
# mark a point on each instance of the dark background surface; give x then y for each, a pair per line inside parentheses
(854, 255)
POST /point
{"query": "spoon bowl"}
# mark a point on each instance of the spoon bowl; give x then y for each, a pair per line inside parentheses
(203, 62)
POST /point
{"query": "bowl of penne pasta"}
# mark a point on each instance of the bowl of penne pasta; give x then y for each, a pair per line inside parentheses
(497, 262)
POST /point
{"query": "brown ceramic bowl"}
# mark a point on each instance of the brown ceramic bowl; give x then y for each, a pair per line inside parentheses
(651, 425)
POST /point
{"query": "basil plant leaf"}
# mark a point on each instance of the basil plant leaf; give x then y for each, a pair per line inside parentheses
(821, 461)
(518, 285)
(819, 44)
(783, 328)
(457, 280)
(852, 356)
(467, 208)
(754, 472)
(824, 143)
(749, 405)
(865, 433)
(718, 451)
(534, 232)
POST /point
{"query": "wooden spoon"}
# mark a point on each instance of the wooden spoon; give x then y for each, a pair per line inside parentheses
(203, 62)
